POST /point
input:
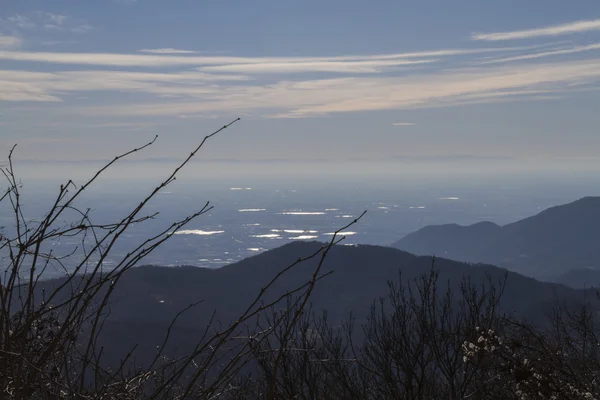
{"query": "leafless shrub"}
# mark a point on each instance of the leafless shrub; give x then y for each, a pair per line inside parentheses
(560, 362)
(49, 341)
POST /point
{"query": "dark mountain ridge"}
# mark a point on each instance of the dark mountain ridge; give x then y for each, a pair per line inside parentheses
(546, 245)
(148, 298)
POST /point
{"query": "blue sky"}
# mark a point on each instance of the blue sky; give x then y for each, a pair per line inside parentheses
(511, 81)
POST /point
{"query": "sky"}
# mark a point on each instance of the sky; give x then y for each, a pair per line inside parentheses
(505, 82)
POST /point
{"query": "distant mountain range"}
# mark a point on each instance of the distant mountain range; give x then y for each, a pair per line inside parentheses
(147, 298)
(559, 244)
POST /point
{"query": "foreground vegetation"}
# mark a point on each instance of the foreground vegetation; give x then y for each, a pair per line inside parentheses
(423, 340)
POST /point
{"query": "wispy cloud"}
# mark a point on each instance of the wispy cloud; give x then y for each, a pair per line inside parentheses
(316, 66)
(257, 64)
(572, 50)
(54, 21)
(167, 51)
(17, 91)
(403, 124)
(199, 92)
(10, 42)
(58, 19)
(17, 21)
(555, 30)
(329, 96)
(18, 85)
(186, 83)
(44, 21)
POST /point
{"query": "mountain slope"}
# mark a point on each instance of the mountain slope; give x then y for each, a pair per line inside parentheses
(545, 245)
(147, 298)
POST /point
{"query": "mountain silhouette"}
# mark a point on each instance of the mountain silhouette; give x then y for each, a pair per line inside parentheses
(147, 298)
(547, 245)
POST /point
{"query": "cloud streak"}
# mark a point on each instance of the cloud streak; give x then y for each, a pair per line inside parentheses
(167, 51)
(9, 42)
(171, 82)
(555, 30)
(573, 50)
(20, 86)
(44, 21)
(17, 21)
(156, 59)
(199, 92)
(373, 66)
(329, 96)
